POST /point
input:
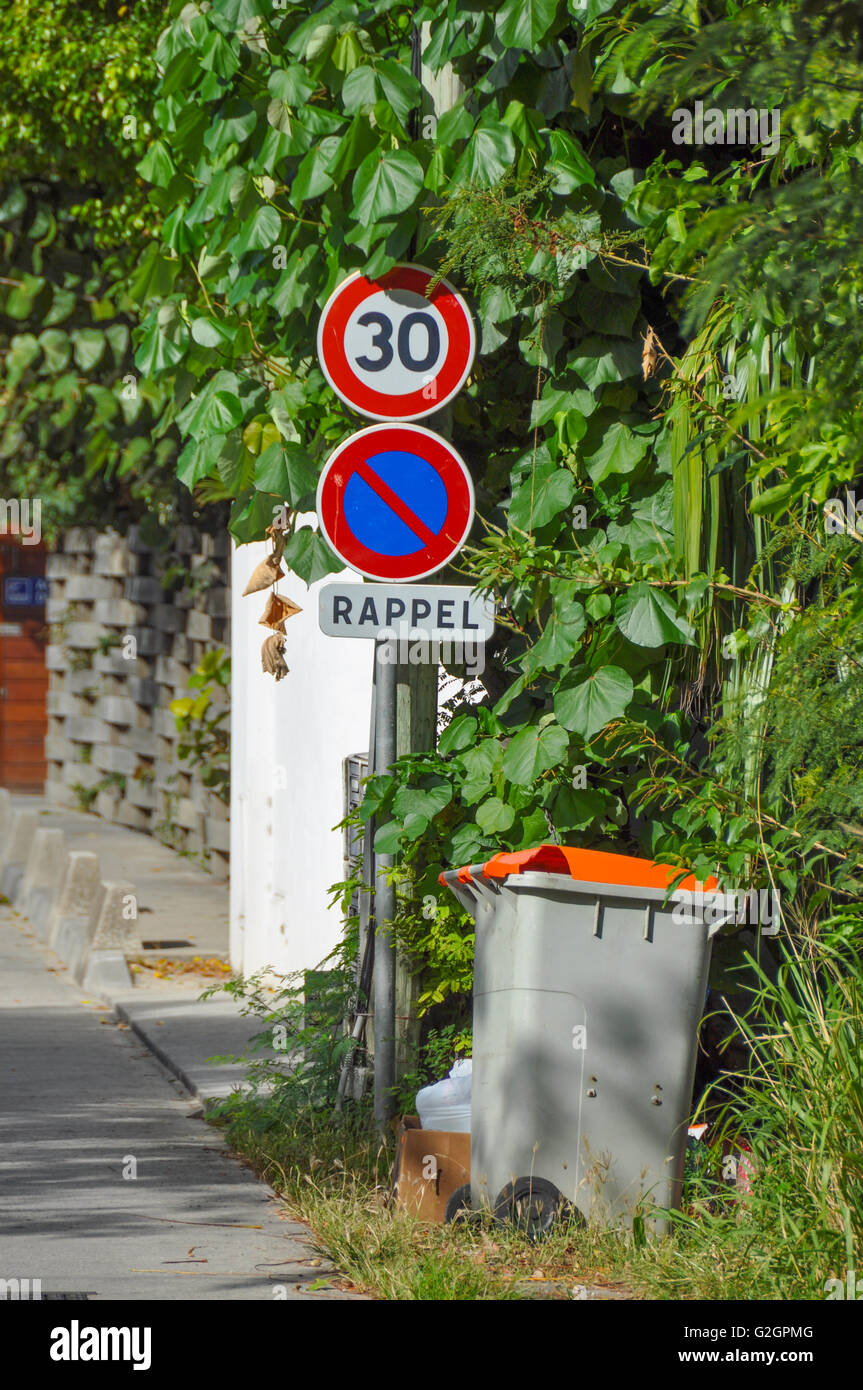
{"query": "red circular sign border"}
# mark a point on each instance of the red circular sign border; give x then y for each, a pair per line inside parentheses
(459, 519)
(337, 370)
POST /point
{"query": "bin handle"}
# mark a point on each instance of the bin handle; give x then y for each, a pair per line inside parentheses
(469, 886)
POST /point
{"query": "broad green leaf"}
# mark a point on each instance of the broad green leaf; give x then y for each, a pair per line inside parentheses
(590, 703)
(609, 313)
(533, 751)
(23, 350)
(646, 543)
(13, 205)
(311, 178)
(62, 304)
(774, 499)
(577, 808)
(212, 334)
(193, 418)
(218, 56)
(182, 72)
(57, 349)
(198, 460)
(295, 286)
(357, 142)
(598, 606)
(388, 838)
(284, 139)
(428, 802)
(250, 517)
(292, 84)
(235, 465)
(568, 163)
(438, 175)
(349, 49)
(118, 338)
(459, 734)
(157, 166)
(386, 184)
(621, 451)
(488, 155)
(560, 639)
(467, 844)
(235, 126)
(455, 124)
(599, 360)
(154, 275)
(286, 470)
(261, 232)
(224, 412)
(415, 825)
(309, 556)
(541, 497)
(648, 617)
(480, 764)
(375, 793)
(237, 12)
(21, 298)
(525, 23)
(89, 347)
(382, 80)
(494, 816)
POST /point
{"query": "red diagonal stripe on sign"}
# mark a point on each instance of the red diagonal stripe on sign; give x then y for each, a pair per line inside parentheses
(395, 503)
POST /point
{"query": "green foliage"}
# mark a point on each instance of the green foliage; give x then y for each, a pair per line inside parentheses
(78, 427)
(801, 1030)
(658, 392)
(202, 722)
(297, 1057)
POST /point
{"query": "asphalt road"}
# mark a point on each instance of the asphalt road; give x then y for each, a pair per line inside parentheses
(80, 1098)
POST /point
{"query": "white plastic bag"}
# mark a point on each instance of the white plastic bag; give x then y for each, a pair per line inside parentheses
(446, 1104)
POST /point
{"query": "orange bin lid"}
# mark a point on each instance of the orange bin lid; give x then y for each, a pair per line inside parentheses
(588, 866)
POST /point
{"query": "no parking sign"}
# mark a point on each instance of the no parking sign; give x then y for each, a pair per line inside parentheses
(389, 351)
(395, 502)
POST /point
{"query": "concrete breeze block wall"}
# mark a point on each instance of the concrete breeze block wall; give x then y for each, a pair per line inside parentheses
(112, 740)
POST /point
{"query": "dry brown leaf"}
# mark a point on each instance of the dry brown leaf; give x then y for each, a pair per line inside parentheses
(272, 661)
(649, 355)
(278, 609)
(264, 575)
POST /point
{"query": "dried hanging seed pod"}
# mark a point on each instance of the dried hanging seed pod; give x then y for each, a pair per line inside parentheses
(264, 575)
(277, 610)
(272, 661)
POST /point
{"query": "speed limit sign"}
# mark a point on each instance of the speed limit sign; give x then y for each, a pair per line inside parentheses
(389, 351)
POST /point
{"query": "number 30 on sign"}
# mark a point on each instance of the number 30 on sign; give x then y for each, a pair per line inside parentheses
(391, 350)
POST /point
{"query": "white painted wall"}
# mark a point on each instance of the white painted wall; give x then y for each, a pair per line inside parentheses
(284, 851)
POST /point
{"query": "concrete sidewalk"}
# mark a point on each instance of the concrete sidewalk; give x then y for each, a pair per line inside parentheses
(111, 1186)
(183, 915)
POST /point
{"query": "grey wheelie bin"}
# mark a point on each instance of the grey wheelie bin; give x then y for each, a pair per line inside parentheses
(588, 991)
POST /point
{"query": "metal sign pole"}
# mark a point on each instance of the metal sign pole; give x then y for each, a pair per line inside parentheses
(384, 907)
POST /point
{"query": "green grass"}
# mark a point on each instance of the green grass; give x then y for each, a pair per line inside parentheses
(800, 1107)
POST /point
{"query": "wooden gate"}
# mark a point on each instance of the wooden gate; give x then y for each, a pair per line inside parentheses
(23, 675)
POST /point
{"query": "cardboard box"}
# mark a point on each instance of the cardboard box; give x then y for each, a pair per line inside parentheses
(430, 1165)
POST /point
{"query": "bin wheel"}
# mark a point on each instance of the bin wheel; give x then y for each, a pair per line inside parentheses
(458, 1208)
(532, 1205)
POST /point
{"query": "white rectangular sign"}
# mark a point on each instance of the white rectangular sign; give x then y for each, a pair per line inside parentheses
(419, 612)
